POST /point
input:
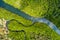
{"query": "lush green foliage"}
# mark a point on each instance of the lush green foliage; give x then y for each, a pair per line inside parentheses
(36, 8)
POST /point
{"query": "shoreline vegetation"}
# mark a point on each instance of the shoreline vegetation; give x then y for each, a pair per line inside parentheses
(38, 27)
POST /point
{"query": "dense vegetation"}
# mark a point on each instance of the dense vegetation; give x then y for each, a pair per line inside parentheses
(36, 8)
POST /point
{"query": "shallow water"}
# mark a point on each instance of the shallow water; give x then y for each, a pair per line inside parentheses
(24, 15)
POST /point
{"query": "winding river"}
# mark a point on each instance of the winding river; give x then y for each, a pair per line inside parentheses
(28, 17)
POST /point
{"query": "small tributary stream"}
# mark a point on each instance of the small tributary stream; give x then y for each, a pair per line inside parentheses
(28, 17)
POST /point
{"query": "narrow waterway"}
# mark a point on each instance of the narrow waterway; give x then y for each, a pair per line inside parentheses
(28, 17)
